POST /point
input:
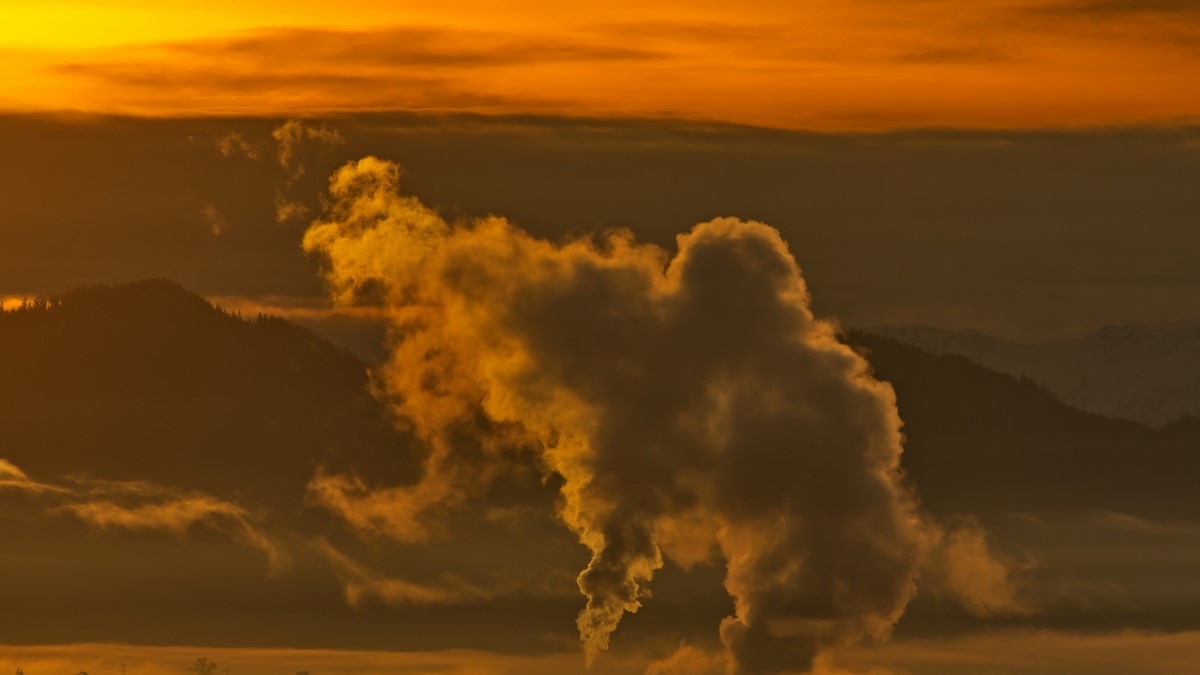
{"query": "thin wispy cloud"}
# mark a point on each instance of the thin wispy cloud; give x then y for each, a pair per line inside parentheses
(140, 505)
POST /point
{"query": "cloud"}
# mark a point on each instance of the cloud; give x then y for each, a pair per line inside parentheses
(424, 47)
(1131, 523)
(304, 70)
(401, 513)
(14, 479)
(1154, 28)
(177, 513)
(287, 210)
(909, 63)
(290, 144)
(963, 564)
(692, 392)
(233, 144)
(970, 55)
(290, 139)
(296, 307)
(1118, 8)
(687, 660)
(10, 472)
(139, 505)
(359, 584)
(216, 221)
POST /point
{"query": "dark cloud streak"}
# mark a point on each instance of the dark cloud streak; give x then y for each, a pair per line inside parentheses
(1118, 8)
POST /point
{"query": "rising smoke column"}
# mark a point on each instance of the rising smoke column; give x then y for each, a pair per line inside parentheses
(691, 404)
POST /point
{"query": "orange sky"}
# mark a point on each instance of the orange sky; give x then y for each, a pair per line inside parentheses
(821, 64)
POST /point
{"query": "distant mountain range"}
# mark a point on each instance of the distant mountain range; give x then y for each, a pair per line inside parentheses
(150, 382)
(1150, 375)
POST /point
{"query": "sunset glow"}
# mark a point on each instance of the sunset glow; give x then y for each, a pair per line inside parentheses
(645, 337)
(813, 65)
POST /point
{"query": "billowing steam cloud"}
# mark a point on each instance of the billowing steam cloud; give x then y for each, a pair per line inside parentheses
(691, 404)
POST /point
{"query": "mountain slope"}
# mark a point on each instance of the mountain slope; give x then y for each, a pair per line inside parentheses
(1150, 375)
(149, 381)
(978, 440)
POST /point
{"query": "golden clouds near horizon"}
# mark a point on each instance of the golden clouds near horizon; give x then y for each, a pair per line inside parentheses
(820, 65)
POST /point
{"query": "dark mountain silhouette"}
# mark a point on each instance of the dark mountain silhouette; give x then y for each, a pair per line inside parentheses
(150, 381)
(982, 441)
(1146, 374)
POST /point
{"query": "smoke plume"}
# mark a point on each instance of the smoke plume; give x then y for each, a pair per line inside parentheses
(290, 136)
(289, 145)
(691, 404)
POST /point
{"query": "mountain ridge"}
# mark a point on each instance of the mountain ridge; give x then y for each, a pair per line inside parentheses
(1150, 375)
(179, 391)
(149, 384)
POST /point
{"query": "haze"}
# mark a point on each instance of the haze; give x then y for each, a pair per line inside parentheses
(848, 338)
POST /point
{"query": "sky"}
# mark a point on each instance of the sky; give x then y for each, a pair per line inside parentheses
(995, 231)
(799, 65)
(594, 267)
